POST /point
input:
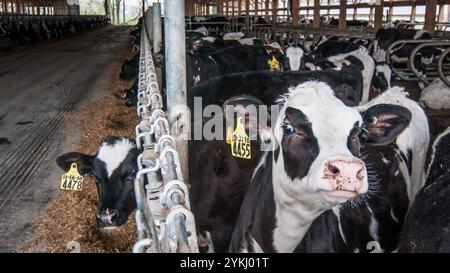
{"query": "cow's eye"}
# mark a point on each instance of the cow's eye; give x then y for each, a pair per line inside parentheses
(287, 128)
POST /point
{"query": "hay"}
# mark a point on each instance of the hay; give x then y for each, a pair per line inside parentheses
(72, 216)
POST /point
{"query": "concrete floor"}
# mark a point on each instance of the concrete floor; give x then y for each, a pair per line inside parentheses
(39, 85)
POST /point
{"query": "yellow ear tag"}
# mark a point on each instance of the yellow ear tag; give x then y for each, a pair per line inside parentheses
(274, 64)
(240, 142)
(229, 135)
(72, 180)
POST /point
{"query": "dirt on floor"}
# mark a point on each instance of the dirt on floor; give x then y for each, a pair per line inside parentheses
(72, 217)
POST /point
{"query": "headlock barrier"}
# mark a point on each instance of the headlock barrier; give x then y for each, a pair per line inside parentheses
(165, 223)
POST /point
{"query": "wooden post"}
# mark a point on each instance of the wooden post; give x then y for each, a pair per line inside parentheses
(328, 7)
(391, 11)
(307, 8)
(274, 11)
(378, 14)
(295, 5)
(413, 11)
(233, 6)
(430, 15)
(316, 20)
(343, 15)
(247, 8)
(266, 10)
(239, 7)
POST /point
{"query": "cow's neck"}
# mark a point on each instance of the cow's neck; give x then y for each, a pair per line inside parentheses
(295, 211)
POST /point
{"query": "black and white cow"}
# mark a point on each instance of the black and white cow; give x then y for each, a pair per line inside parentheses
(218, 188)
(385, 37)
(337, 54)
(202, 66)
(267, 85)
(130, 68)
(428, 222)
(295, 58)
(376, 223)
(114, 168)
(381, 80)
(319, 163)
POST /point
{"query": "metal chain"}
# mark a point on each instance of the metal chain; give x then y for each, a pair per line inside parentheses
(164, 220)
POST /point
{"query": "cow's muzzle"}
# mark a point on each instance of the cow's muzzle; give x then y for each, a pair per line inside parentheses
(106, 219)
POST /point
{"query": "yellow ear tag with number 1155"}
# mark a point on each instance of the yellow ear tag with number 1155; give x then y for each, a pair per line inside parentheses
(72, 180)
(240, 142)
(274, 64)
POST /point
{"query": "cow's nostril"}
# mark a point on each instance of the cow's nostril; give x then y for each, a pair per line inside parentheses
(360, 174)
(332, 169)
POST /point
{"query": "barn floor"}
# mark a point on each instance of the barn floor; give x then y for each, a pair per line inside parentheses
(39, 87)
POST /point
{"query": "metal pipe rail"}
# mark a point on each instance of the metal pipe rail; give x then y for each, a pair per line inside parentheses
(413, 54)
(163, 219)
(440, 66)
(264, 33)
(411, 73)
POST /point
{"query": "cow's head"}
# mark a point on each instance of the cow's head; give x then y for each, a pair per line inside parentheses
(295, 58)
(318, 159)
(114, 168)
(381, 80)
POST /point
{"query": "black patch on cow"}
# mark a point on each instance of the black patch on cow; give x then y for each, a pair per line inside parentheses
(300, 148)
(325, 227)
(332, 48)
(277, 153)
(257, 214)
(353, 144)
(356, 62)
(426, 227)
(407, 159)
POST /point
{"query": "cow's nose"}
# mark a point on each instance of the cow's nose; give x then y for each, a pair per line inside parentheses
(345, 174)
(106, 218)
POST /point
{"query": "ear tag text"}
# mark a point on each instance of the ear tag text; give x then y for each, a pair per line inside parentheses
(240, 142)
(274, 64)
(72, 180)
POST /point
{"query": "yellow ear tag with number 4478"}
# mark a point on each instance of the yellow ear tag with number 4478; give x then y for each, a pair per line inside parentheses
(72, 180)
(240, 142)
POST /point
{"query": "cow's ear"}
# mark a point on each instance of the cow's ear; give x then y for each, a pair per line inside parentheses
(84, 162)
(382, 123)
(196, 43)
(255, 119)
(347, 94)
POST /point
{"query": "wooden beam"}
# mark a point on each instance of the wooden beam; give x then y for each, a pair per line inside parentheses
(266, 7)
(274, 11)
(430, 15)
(247, 8)
(343, 15)
(413, 11)
(378, 14)
(295, 5)
(316, 20)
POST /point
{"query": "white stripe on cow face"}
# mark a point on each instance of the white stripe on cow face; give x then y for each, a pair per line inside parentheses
(295, 55)
(114, 154)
